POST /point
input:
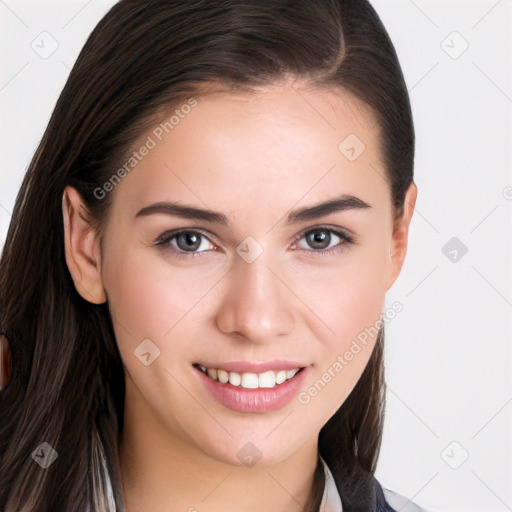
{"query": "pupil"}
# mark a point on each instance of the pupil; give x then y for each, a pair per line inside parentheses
(188, 241)
(320, 239)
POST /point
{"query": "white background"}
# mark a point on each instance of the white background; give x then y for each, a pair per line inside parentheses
(449, 352)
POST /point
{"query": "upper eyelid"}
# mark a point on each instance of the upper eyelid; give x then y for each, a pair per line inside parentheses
(332, 229)
(167, 235)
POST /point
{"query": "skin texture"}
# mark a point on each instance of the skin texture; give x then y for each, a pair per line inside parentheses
(252, 157)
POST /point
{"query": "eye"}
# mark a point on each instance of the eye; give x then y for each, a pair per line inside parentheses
(188, 242)
(185, 242)
(324, 240)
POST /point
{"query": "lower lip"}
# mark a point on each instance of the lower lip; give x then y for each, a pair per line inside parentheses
(241, 399)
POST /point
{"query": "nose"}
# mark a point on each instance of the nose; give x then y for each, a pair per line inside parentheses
(257, 304)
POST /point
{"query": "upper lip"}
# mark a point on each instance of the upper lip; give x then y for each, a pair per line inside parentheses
(254, 366)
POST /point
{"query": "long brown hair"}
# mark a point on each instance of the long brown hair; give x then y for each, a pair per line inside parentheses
(144, 56)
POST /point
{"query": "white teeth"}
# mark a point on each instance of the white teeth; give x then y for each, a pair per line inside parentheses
(222, 376)
(250, 380)
(291, 373)
(235, 379)
(280, 377)
(267, 379)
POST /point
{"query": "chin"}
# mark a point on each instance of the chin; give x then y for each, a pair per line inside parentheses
(244, 450)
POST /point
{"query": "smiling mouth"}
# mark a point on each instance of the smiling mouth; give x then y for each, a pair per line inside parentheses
(268, 379)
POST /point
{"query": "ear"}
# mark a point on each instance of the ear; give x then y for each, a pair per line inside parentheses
(399, 241)
(82, 248)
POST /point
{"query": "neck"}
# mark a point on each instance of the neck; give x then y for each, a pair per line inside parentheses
(163, 472)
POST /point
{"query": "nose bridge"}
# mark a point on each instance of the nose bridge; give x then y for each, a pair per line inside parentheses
(256, 304)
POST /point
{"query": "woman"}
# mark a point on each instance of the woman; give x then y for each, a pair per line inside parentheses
(193, 282)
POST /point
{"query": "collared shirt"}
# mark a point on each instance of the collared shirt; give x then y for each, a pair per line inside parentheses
(331, 501)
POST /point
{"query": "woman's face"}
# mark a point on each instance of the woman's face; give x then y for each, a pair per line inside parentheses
(268, 283)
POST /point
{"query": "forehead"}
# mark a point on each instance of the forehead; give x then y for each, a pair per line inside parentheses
(271, 148)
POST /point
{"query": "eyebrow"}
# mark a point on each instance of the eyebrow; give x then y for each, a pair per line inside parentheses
(342, 203)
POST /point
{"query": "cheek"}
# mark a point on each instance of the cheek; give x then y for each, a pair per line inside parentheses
(347, 296)
(349, 301)
(140, 301)
(151, 299)
(144, 303)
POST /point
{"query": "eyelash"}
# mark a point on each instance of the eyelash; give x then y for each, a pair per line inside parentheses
(165, 240)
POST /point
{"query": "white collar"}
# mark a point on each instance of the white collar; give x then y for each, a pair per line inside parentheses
(331, 501)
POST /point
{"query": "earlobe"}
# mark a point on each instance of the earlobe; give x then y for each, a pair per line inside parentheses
(400, 238)
(82, 248)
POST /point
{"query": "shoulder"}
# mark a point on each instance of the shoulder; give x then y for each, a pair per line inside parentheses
(401, 503)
